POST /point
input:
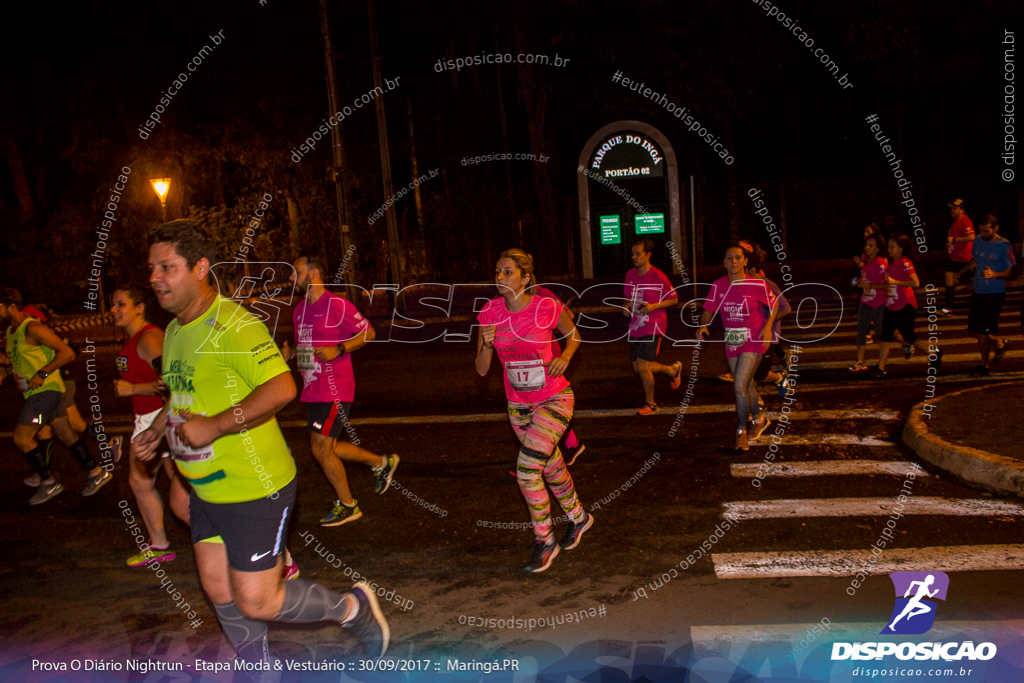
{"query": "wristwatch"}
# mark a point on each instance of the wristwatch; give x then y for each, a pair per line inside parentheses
(43, 373)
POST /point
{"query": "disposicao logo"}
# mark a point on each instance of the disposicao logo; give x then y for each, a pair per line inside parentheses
(914, 614)
(916, 592)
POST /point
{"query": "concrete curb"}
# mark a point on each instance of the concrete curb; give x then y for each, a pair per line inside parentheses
(993, 472)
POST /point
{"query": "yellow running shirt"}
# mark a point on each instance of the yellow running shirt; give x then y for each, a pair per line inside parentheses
(209, 366)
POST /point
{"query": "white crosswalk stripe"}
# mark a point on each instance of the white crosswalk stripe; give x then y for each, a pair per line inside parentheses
(868, 507)
(821, 468)
(848, 563)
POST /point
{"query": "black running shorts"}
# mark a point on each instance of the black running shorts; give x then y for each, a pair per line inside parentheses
(253, 532)
(328, 419)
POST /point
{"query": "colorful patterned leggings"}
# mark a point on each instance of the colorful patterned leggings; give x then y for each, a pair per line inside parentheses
(539, 427)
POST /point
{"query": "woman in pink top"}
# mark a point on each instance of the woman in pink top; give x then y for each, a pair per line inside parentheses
(748, 309)
(517, 325)
(872, 298)
(901, 307)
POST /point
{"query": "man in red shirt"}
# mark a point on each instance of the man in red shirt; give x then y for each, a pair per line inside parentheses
(958, 246)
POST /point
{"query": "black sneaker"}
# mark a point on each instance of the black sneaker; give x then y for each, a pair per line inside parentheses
(908, 351)
(369, 625)
(980, 371)
(574, 532)
(937, 363)
(877, 373)
(382, 475)
(1001, 351)
(542, 556)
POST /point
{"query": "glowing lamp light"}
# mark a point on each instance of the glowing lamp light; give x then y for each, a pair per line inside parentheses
(161, 186)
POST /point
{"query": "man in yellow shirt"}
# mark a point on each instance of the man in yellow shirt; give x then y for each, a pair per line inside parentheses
(227, 380)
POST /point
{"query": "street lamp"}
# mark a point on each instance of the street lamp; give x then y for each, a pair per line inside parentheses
(161, 186)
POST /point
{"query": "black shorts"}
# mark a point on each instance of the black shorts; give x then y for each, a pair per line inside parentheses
(41, 409)
(775, 353)
(328, 418)
(983, 318)
(902, 320)
(253, 532)
(644, 347)
(955, 266)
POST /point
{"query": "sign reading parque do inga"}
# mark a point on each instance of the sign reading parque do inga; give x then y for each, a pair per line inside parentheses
(628, 155)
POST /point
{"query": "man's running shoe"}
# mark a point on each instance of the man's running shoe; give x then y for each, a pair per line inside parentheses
(116, 448)
(543, 555)
(648, 409)
(1001, 351)
(573, 454)
(727, 377)
(945, 311)
(877, 373)
(908, 351)
(937, 363)
(869, 338)
(857, 367)
(677, 376)
(757, 429)
(784, 387)
(383, 475)
(291, 571)
(46, 491)
(741, 440)
(760, 402)
(342, 514)
(96, 483)
(574, 532)
(979, 371)
(34, 481)
(151, 555)
(369, 625)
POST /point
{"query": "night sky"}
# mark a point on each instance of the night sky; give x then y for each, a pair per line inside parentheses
(80, 79)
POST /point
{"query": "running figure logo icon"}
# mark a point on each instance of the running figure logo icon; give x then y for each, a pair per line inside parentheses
(914, 613)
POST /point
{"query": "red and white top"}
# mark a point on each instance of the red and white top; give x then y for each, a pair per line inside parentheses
(522, 341)
(961, 251)
(132, 368)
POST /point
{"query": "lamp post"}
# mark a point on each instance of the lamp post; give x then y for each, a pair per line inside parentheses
(161, 186)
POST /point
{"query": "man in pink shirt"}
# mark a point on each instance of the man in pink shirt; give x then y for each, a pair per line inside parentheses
(649, 293)
(328, 328)
(959, 243)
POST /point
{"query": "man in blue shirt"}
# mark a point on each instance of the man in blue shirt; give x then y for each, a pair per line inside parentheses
(992, 258)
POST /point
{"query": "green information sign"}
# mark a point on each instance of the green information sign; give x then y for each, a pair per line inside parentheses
(611, 232)
(649, 223)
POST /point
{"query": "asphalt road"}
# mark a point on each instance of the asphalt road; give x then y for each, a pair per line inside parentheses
(448, 542)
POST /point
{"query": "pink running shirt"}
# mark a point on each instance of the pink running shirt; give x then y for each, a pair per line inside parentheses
(874, 274)
(651, 288)
(522, 341)
(330, 321)
(745, 306)
(901, 271)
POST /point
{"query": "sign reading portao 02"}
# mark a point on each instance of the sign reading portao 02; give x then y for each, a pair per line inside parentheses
(629, 155)
(628, 180)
